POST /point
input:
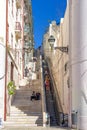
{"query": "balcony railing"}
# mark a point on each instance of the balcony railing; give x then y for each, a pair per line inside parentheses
(11, 51)
(18, 4)
(18, 26)
(17, 30)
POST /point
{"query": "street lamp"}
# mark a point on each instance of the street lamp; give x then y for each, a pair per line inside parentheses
(51, 40)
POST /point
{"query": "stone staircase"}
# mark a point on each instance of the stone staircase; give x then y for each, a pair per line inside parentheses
(23, 111)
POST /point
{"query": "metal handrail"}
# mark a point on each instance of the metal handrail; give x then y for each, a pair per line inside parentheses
(43, 96)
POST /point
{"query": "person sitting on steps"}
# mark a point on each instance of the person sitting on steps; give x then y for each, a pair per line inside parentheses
(35, 96)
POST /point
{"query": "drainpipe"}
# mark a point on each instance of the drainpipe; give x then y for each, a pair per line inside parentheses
(6, 60)
(69, 3)
(23, 38)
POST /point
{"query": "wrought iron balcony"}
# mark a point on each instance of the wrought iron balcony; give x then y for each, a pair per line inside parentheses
(26, 28)
(28, 47)
(17, 30)
(18, 4)
(11, 51)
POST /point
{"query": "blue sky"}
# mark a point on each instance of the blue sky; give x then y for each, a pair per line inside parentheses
(43, 12)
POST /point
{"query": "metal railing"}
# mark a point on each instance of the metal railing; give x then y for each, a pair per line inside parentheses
(17, 26)
(46, 120)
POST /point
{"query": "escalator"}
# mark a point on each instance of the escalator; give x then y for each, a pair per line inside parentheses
(50, 108)
(54, 107)
(50, 104)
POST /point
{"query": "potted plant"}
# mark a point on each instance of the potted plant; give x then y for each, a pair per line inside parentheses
(11, 88)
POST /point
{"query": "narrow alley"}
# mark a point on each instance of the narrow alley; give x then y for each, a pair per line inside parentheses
(26, 113)
(43, 65)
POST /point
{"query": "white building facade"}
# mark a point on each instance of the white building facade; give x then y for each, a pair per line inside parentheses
(78, 62)
(11, 46)
(2, 55)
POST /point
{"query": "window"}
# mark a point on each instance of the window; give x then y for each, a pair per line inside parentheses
(12, 7)
(8, 34)
(66, 66)
(12, 40)
(68, 82)
(16, 15)
(9, 2)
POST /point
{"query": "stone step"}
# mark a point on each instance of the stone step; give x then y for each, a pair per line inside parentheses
(26, 113)
(13, 124)
(24, 94)
(25, 90)
(25, 127)
(21, 102)
(22, 120)
(30, 109)
(21, 97)
(24, 116)
(26, 109)
(26, 101)
(18, 120)
(30, 85)
(19, 90)
(29, 106)
(19, 93)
